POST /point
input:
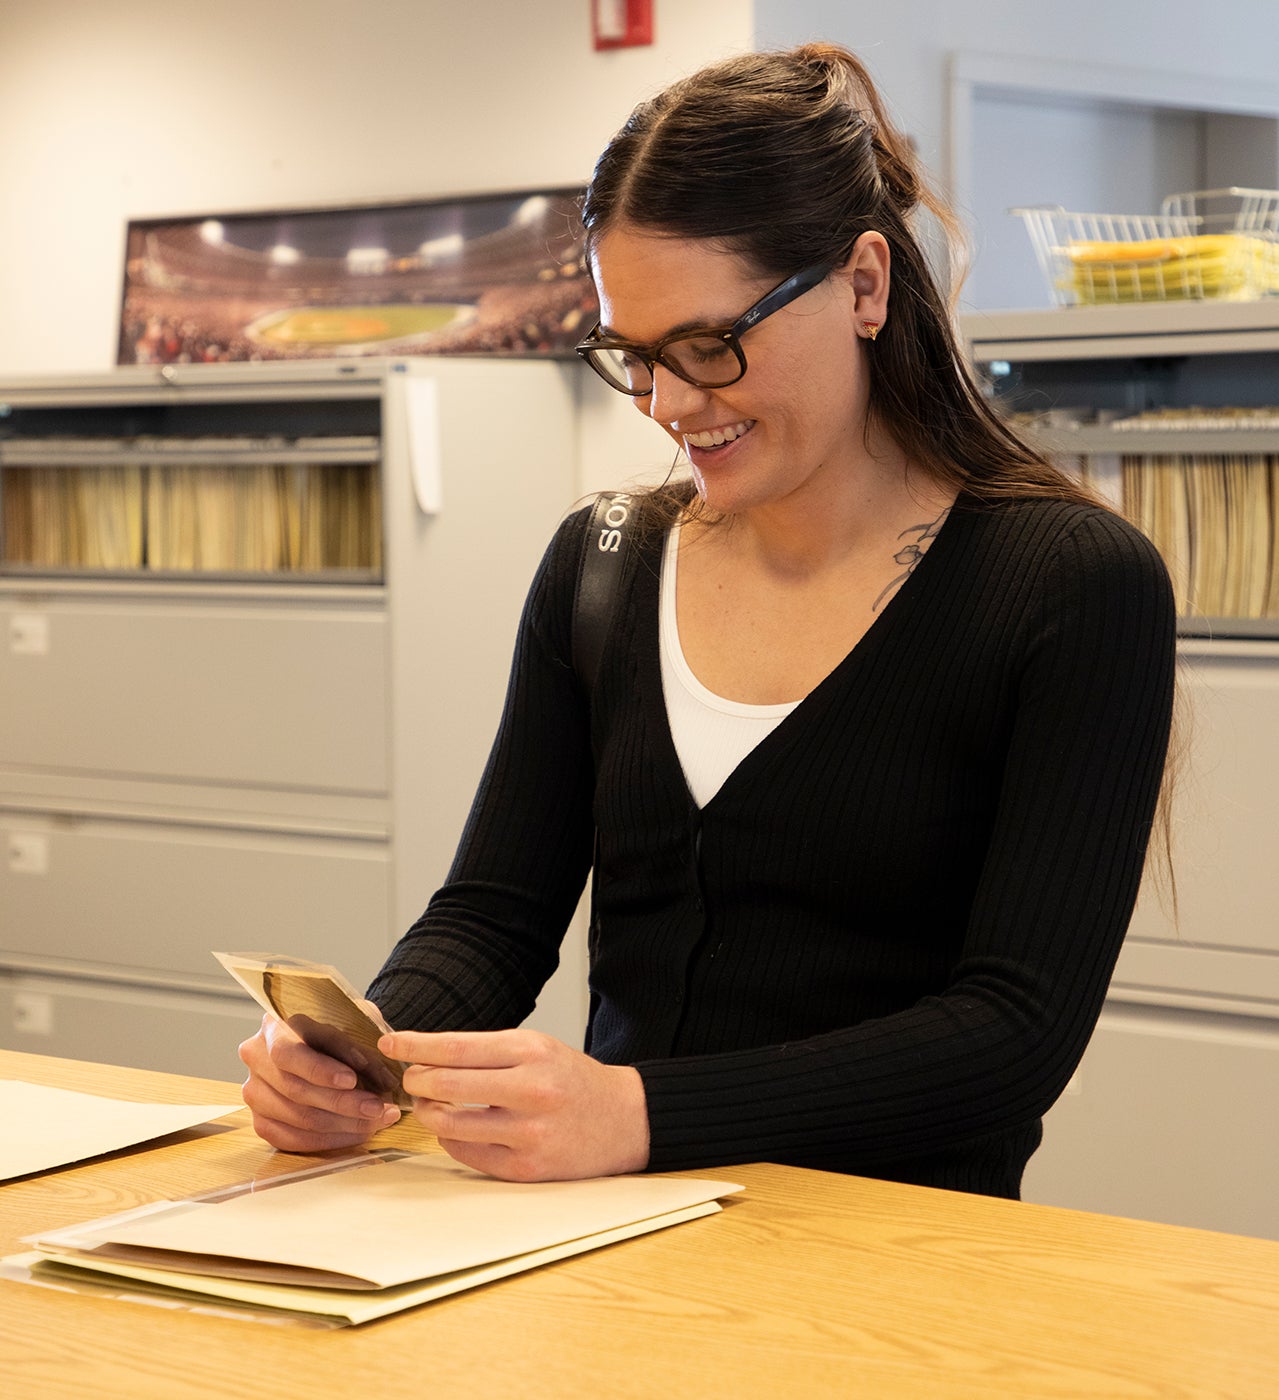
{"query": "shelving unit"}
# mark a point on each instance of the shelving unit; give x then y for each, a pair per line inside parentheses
(201, 752)
(1171, 1114)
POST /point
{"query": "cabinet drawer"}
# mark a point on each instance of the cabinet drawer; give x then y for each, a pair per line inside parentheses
(133, 896)
(267, 696)
(1226, 805)
(1169, 1118)
(120, 1024)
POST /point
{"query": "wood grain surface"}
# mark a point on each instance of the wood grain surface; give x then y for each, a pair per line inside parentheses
(807, 1285)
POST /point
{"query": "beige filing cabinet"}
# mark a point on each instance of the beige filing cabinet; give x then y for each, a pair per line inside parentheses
(255, 627)
(1173, 1114)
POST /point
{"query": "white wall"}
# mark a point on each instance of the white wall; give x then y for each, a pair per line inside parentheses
(1150, 54)
(137, 108)
(906, 43)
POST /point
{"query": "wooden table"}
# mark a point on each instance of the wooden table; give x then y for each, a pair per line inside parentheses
(807, 1285)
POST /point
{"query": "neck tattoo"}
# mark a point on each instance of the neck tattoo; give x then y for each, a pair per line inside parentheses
(909, 555)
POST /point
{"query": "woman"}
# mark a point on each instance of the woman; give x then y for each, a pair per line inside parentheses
(876, 742)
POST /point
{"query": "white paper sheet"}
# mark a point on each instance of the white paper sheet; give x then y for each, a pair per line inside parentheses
(46, 1127)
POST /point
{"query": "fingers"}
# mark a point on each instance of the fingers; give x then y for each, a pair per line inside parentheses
(522, 1105)
(496, 1159)
(472, 1049)
(503, 1144)
(485, 1095)
(277, 1050)
(303, 1101)
(295, 1127)
(479, 1069)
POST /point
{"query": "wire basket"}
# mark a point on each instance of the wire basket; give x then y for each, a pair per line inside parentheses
(1205, 244)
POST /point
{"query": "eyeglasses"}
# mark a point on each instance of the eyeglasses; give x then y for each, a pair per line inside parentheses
(707, 359)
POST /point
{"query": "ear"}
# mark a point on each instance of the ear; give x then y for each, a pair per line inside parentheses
(867, 272)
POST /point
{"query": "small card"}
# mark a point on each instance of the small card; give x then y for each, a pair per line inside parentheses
(316, 1002)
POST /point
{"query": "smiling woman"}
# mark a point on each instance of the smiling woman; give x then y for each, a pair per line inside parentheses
(795, 383)
(867, 769)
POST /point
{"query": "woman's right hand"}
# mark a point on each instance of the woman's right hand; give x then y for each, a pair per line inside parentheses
(303, 1101)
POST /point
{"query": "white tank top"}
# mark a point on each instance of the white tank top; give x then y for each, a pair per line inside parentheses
(712, 735)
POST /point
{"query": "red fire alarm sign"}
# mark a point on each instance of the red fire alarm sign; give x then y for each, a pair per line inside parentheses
(621, 24)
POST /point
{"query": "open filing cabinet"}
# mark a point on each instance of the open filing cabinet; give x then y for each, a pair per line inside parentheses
(1172, 1114)
(255, 628)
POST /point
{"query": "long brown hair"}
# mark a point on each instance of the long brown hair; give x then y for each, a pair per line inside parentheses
(785, 159)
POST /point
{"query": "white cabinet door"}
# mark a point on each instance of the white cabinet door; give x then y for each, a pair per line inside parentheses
(263, 695)
(1226, 807)
(120, 1024)
(131, 897)
(1171, 1117)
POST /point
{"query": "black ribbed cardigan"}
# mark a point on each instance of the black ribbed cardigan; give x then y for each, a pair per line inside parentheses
(882, 946)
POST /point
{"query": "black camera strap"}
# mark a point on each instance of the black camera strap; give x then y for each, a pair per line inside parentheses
(605, 546)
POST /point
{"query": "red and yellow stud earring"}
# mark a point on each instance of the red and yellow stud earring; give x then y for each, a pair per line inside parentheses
(871, 329)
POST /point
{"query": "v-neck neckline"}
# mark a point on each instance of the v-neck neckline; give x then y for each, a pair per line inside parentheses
(900, 605)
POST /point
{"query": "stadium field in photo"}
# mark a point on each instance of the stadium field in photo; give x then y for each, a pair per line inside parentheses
(356, 325)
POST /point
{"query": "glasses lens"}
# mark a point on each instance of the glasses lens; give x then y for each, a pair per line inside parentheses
(622, 369)
(709, 361)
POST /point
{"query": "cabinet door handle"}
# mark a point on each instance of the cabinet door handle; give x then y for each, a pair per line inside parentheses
(425, 467)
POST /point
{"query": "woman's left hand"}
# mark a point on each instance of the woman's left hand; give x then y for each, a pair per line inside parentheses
(523, 1106)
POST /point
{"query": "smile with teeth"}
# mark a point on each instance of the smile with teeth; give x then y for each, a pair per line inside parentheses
(717, 437)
